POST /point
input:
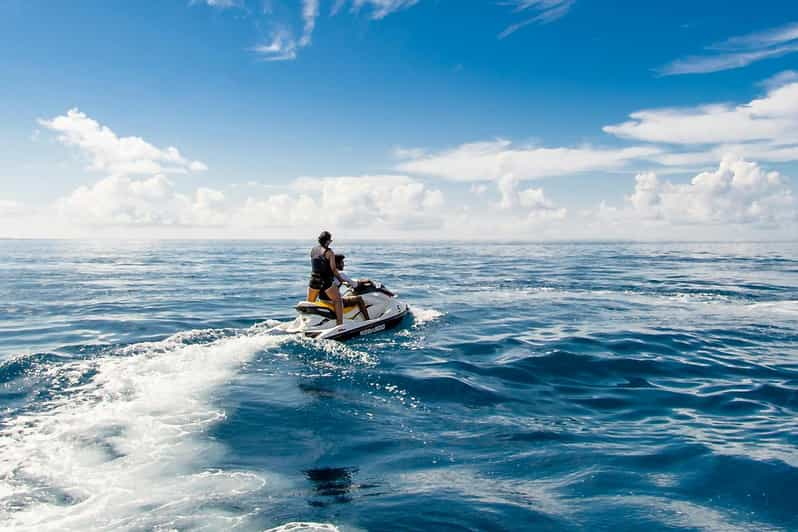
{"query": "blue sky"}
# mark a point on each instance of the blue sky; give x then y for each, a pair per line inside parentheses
(415, 119)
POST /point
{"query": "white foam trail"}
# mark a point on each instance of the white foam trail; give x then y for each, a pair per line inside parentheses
(783, 307)
(304, 527)
(422, 315)
(124, 448)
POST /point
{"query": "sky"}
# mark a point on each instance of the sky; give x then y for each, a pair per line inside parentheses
(399, 119)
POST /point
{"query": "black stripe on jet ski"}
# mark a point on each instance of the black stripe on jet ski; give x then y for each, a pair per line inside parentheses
(370, 328)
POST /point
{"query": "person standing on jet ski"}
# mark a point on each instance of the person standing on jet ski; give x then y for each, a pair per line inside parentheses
(324, 271)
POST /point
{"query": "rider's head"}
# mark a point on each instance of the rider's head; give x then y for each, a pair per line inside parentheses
(339, 261)
(325, 238)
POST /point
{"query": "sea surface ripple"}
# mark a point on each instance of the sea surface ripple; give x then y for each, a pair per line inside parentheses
(566, 386)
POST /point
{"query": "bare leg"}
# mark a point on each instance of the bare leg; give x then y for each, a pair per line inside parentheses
(357, 300)
(363, 308)
(313, 294)
(335, 297)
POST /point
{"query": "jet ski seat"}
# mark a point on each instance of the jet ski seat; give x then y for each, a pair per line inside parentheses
(322, 308)
(329, 305)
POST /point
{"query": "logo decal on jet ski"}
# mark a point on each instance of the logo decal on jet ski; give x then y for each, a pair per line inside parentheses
(378, 328)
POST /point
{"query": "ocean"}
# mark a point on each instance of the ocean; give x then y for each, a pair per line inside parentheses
(562, 386)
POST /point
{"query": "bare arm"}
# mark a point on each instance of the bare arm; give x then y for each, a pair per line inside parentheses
(331, 258)
(346, 279)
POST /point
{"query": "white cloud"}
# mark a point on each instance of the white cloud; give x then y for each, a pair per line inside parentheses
(716, 63)
(478, 188)
(282, 44)
(759, 151)
(222, 4)
(736, 200)
(118, 156)
(545, 11)
(738, 52)
(779, 80)
(407, 153)
(278, 210)
(310, 11)
(10, 208)
(366, 202)
(738, 192)
(492, 160)
(761, 39)
(531, 202)
(382, 8)
(388, 199)
(772, 118)
(121, 200)
(281, 47)
(764, 129)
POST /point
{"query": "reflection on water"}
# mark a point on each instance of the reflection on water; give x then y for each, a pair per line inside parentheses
(331, 485)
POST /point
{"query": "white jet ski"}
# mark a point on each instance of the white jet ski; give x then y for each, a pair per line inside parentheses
(317, 319)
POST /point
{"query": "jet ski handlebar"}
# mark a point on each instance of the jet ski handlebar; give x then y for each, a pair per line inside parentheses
(368, 286)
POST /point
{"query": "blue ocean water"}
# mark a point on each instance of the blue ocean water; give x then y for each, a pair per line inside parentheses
(535, 387)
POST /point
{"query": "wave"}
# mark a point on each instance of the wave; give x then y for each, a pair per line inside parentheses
(120, 444)
(304, 527)
(785, 307)
(424, 315)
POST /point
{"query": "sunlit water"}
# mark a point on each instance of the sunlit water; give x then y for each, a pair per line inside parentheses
(551, 387)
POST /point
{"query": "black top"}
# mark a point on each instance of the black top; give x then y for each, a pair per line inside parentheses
(320, 263)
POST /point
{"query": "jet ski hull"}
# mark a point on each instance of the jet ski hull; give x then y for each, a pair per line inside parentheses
(317, 320)
(364, 329)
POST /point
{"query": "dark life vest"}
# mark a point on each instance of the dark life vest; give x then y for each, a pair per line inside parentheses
(320, 264)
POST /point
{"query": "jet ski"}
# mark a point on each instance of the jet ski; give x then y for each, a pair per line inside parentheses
(317, 319)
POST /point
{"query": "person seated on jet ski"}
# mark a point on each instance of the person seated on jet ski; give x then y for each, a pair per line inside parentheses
(344, 278)
(324, 271)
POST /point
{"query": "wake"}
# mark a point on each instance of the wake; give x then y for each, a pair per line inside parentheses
(122, 444)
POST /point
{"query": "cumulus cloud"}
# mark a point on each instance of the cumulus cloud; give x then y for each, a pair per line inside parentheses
(737, 192)
(10, 208)
(492, 160)
(121, 200)
(388, 199)
(118, 156)
(772, 118)
(385, 201)
(764, 129)
(278, 210)
(545, 11)
(738, 52)
(530, 202)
